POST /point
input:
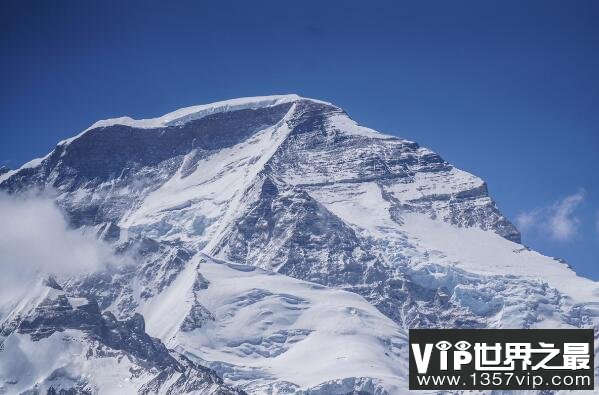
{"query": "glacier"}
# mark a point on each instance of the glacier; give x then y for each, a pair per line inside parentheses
(278, 247)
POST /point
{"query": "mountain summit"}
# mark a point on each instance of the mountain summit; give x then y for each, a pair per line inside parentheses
(267, 230)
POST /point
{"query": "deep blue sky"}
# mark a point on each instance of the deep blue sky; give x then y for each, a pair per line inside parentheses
(508, 90)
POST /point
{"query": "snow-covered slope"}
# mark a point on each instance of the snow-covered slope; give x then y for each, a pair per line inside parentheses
(253, 326)
(345, 215)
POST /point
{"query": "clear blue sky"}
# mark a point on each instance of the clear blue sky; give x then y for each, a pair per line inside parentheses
(508, 90)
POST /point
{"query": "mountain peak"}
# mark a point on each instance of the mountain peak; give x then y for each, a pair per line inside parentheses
(187, 114)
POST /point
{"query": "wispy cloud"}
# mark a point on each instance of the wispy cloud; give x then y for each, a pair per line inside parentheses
(35, 240)
(557, 221)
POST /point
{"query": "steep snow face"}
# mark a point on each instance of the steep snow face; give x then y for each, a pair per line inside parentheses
(204, 193)
(294, 186)
(107, 173)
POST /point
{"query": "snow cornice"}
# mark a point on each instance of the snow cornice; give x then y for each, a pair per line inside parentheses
(186, 114)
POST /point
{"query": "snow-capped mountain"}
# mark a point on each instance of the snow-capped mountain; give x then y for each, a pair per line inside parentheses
(278, 245)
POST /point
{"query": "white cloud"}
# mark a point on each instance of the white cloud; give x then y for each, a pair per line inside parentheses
(526, 221)
(35, 240)
(557, 221)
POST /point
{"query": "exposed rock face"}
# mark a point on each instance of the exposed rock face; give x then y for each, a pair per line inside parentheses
(293, 186)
